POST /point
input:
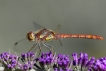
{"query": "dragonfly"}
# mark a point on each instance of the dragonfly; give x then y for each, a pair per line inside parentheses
(42, 34)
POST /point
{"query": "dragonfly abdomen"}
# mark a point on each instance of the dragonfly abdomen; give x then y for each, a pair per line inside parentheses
(81, 36)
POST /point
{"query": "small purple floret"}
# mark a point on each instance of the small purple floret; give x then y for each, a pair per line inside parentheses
(9, 60)
(28, 59)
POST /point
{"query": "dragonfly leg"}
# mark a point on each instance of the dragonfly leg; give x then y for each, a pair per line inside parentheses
(48, 46)
(39, 49)
(32, 47)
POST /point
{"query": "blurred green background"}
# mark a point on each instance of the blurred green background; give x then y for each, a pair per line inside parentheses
(74, 16)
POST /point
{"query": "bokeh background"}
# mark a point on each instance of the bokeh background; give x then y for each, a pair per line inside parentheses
(74, 16)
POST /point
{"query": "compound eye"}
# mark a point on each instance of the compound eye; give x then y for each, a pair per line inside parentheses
(32, 37)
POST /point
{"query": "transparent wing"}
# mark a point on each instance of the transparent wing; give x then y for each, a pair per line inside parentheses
(58, 30)
(37, 26)
(54, 43)
(24, 45)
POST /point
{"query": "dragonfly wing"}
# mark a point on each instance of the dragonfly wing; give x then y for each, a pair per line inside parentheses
(53, 44)
(58, 30)
(60, 42)
(24, 46)
(37, 26)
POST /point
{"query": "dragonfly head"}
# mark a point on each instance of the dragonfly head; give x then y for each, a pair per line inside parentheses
(30, 36)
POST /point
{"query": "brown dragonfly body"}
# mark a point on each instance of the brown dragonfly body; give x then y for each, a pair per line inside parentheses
(44, 34)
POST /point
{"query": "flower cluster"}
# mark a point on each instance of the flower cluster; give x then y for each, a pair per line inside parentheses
(62, 63)
(9, 61)
(99, 65)
(83, 62)
(28, 59)
(48, 60)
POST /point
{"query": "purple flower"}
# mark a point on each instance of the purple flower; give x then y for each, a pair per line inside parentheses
(28, 60)
(8, 60)
(62, 63)
(30, 56)
(99, 65)
(46, 60)
(82, 62)
(75, 59)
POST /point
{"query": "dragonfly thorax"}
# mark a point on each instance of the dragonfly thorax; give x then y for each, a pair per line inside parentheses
(48, 38)
(30, 36)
